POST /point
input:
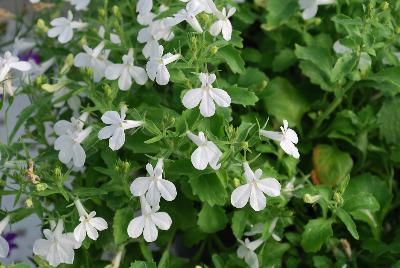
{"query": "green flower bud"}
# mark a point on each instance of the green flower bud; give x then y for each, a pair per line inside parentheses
(311, 199)
(338, 198)
(83, 41)
(385, 5)
(29, 203)
(236, 182)
(116, 12)
(41, 26)
(245, 145)
(214, 50)
(40, 187)
(108, 91)
(69, 62)
(102, 12)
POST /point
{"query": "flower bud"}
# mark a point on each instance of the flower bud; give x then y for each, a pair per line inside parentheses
(264, 84)
(89, 72)
(69, 61)
(57, 174)
(311, 199)
(28, 203)
(102, 12)
(108, 91)
(83, 41)
(385, 5)
(214, 50)
(41, 26)
(40, 187)
(244, 145)
(236, 182)
(116, 12)
(40, 80)
(338, 198)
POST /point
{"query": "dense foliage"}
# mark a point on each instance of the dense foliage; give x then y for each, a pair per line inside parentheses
(334, 77)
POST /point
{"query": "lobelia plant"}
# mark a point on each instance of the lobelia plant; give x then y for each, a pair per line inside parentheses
(203, 133)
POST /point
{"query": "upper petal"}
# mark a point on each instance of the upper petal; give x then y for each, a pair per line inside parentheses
(111, 117)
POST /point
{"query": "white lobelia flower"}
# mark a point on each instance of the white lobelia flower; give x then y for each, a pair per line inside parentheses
(89, 224)
(114, 37)
(155, 31)
(4, 247)
(156, 67)
(9, 62)
(94, 59)
(206, 95)
(254, 189)
(71, 135)
(126, 72)
(64, 28)
(222, 24)
(246, 252)
(154, 186)
(187, 14)
(198, 4)
(259, 229)
(310, 7)
(147, 18)
(58, 247)
(116, 129)
(148, 222)
(144, 6)
(206, 153)
(287, 139)
(80, 4)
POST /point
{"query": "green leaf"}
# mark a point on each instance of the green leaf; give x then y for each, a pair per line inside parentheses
(239, 221)
(143, 264)
(232, 57)
(284, 101)
(361, 201)
(316, 233)
(240, 95)
(319, 56)
(20, 265)
(22, 118)
(389, 120)
(348, 221)
(212, 219)
(330, 164)
(343, 66)
(209, 189)
(272, 253)
(122, 217)
(89, 192)
(387, 80)
(217, 260)
(279, 12)
(283, 60)
(317, 76)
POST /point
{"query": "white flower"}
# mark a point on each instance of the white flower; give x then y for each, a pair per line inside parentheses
(34, 1)
(89, 224)
(126, 72)
(206, 153)
(116, 129)
(64, 28)
(114, 38)
(4, 247)
(154, 186)
(71, 135)
(80, 4)
(339, 48)
(198, 4)
(73, 102)
(287, 139)
(259, 229)
(9, 62)
(206, 95)
(156, 67)
(58, 247)
(222, 24)
(189, 15)
(365, 61)
(155, 31)
(148, 222)
(246, 252)
(94, 59)
(21, 45)
(254, 189)
(310, 7)
(144, 6)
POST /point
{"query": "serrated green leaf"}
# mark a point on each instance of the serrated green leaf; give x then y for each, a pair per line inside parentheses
(232, 57)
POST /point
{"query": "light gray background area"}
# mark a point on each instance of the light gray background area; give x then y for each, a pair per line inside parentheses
(27, 230)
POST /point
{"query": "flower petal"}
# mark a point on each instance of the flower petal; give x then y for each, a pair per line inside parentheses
(79, 155)
(257, 199)
(4, 248)
(240, 196)
(167, 189)
(107, 132)
(276, 136)
(113, 71)
(150, 232)
(117, 139)
(62, 127)
(91, 231)
(111, 117)
(140, 185)
(162, 220)
(80, 232)
(135, 227)
(199, 158)
(99, 223)
(270, 186)
(220, 97)
(207, 106)
(192, 98)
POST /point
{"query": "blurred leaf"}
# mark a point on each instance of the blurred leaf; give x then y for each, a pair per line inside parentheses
(212, 219)
(348, 221)
(316, 233)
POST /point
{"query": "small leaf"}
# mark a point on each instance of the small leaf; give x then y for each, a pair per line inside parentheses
(316, 233)
(143, 264)
(232, 57)
(121, 221)
(212, 219)
(240, 95)
(343, 66)
(209, 189)
(239, 223)
(348, 221)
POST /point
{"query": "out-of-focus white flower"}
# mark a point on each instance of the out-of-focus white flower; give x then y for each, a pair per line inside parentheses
(79, 4)
(89, 224)
(156, 67)
(126, 72)
(198, 4)
(206, 95)
(34, 1)
(64, 28)
(37, 69)
(339, 48)
(71, 135)
(148, 222)
(74, 102)
(310, 7)
(254, 189)
(58, 247)
(114, 37)
(144, 6)
(222, 24)
(7, 63)
(21, 45)
(206, 154)
(4, 247)
(94, 59)
(365, 61)
(246, 252)
(155, 31)
(116, 129)
(154, 186)
(187, 14)
(287, 139)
